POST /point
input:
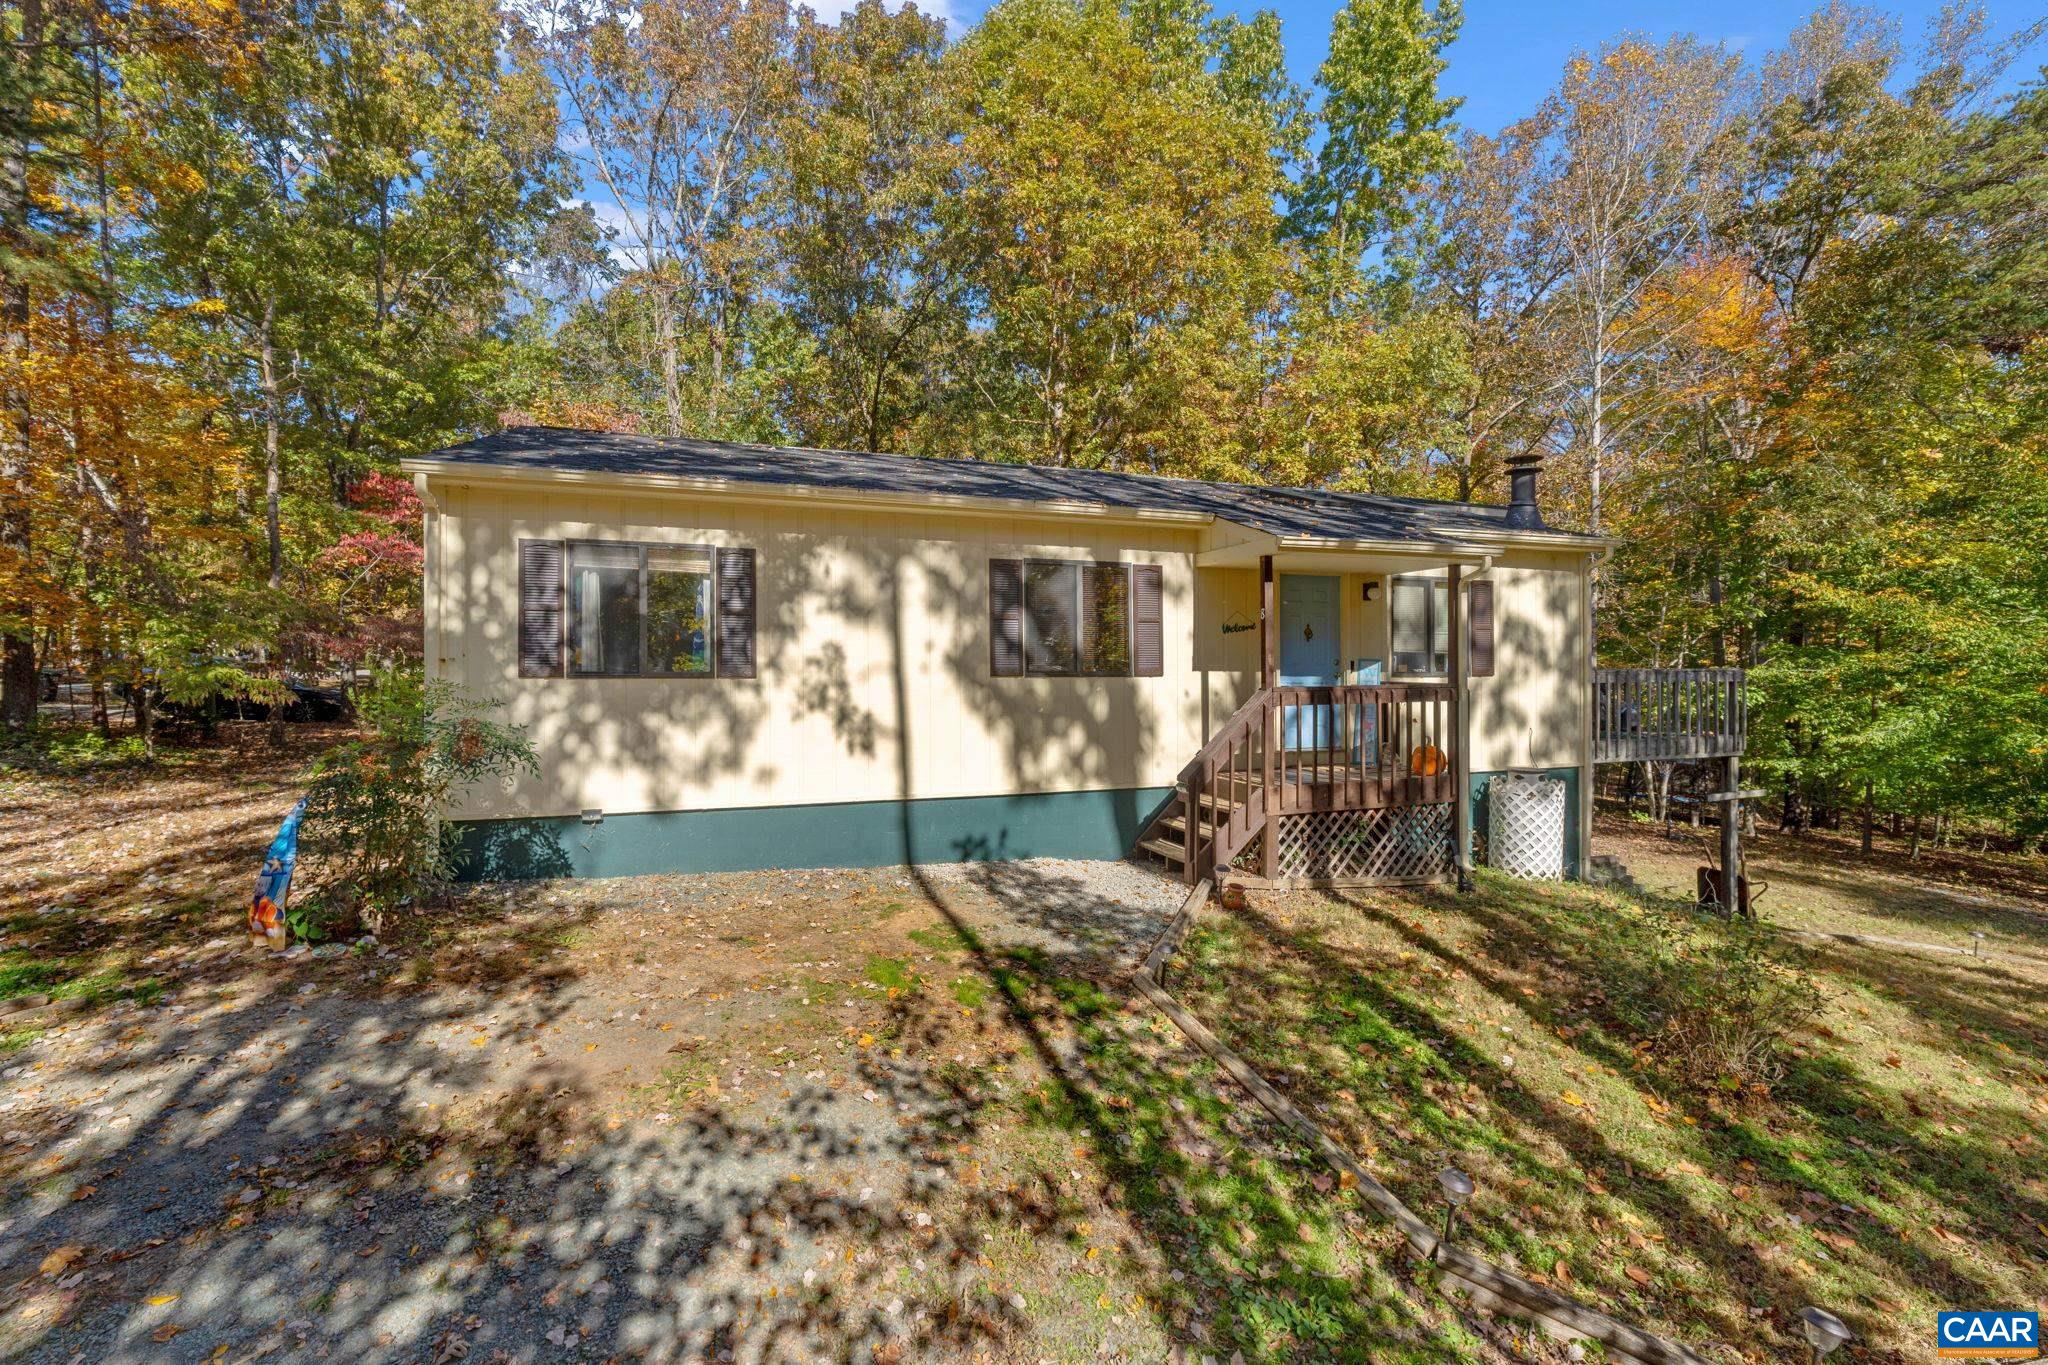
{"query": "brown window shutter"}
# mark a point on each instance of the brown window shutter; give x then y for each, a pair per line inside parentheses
(1148, 651)
(1005, 618)
(737, 609)
(540, 608)
(1479, 603)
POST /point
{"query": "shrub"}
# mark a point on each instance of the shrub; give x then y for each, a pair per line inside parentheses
(373, 813)
(1708, 1004)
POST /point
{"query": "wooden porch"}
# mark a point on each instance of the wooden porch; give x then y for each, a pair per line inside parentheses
(1677, 715)
(1342, 783)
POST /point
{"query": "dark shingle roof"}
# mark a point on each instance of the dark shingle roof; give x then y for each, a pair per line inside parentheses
(1278, 511)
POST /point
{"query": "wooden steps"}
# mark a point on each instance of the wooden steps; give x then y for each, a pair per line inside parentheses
(1166, 837)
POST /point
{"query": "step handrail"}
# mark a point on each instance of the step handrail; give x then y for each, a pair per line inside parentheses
(1228, 731)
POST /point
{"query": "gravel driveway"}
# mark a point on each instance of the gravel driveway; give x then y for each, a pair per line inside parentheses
(675, 1118)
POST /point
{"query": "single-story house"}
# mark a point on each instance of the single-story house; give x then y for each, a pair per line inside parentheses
(737, 657)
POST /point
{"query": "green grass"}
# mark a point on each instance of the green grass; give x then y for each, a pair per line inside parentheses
(1889, 1163)
(56, 750)
(23, 972)
(942, 938)
(1270, 1264)
(969, 991)
(890, 973)
(14, 1040)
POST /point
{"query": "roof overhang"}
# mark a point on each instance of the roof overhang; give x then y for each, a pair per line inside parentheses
(1317, 554)
(1476, 547)
(463, 473)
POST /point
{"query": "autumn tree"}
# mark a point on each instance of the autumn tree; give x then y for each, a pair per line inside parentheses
(866, 153)
(673, 105)
(1121, 211)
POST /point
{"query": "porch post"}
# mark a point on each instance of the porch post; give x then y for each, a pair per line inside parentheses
(1461, 732)
(1269, 622)
(1269, 633)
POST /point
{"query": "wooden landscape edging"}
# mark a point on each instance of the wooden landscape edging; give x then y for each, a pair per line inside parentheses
(1491, 1287)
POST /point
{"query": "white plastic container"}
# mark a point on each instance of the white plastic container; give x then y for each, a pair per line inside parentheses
(1525, 825)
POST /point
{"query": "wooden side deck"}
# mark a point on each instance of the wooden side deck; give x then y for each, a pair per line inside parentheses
(1669, 714)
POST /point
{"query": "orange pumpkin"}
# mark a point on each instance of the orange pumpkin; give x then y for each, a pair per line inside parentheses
(1427, 761)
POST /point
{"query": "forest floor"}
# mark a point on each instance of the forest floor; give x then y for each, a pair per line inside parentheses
(1895, 1164)
(867, 1115)
(895, 1116)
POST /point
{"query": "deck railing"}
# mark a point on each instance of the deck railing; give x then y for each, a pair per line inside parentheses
(1363, 748)
(1295, 750)
(1668, 714)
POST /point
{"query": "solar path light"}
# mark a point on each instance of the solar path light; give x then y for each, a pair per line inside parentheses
(1457, 1189)
(1824, 1331)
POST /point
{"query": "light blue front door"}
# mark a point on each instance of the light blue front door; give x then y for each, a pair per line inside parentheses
(1310, 655)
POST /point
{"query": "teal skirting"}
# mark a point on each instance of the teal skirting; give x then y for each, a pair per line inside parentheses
(1097, 824)
(1570, 778)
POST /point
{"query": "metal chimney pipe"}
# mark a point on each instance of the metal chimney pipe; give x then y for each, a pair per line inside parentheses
(1522, 511)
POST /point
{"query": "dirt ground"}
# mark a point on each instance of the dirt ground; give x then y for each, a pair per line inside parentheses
(1818, 883)
(838, 1115)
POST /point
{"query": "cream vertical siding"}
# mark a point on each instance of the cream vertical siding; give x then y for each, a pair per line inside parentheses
(873, 645)
(873, 648)
(1530, 712)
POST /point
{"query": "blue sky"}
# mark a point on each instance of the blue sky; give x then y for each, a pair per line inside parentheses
(1511, 51)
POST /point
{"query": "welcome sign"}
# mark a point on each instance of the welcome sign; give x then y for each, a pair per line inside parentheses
(1988, 1335)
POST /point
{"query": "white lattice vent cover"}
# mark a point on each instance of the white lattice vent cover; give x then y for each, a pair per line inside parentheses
(1525, 825)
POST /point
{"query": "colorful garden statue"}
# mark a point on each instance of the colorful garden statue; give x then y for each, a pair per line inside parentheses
(274, 883)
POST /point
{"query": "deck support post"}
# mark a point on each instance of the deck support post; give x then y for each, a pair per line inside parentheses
(1269, 637)
(1461, 716)
(1731, 838)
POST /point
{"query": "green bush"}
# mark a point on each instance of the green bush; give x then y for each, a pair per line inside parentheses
(373, 814)
(1709, 1004)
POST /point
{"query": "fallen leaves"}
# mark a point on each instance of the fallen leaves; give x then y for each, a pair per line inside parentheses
(1639, 1275)
(62, 1259)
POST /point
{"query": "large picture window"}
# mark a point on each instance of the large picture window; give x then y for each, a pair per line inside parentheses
(1063, 618)
(636, 611)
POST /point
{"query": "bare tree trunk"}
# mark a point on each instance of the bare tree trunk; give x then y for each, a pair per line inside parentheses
(18, 691)
(273, 484)
(1869, 818)
(671, 377)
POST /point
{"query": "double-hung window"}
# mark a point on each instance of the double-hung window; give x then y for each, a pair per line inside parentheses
(1067, 618)
(608, 609)
(1420, 609)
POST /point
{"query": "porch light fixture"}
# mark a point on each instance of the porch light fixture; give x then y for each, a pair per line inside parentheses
(592, 816)
(1372, 586)
(1824, 1331)
(1457, 1187)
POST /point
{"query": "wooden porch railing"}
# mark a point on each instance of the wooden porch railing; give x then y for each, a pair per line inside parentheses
(1292, 750)
(1364, 748)
(1668, 714)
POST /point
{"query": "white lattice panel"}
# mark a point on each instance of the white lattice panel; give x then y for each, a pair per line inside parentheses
(1525, 826)
(1401, 843)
